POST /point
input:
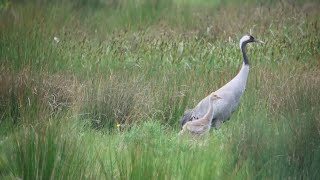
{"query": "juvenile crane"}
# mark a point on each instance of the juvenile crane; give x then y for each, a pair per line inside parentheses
(202, 125)
(230, 93)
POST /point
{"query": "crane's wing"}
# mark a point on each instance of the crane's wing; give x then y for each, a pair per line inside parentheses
(215, 96)
(200, 110)
(202, 107)
(187, 116)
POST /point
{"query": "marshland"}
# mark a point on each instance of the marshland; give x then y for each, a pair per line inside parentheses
(95, 89)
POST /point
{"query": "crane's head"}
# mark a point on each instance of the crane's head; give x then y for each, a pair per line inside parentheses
(248, 39)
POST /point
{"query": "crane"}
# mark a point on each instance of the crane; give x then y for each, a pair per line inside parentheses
(202, 125)
(230, 93)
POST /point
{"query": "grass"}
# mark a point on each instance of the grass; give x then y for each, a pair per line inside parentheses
(105, 101)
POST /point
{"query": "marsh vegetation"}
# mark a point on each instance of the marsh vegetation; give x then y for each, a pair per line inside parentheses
(95, 89)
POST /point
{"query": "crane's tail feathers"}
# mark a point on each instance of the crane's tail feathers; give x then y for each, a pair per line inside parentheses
(186, 117)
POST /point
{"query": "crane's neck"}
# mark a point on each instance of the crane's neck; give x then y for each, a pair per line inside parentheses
(244, 53)
(208, 116)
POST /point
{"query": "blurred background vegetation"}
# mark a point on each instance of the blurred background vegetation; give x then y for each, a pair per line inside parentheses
(94, 89)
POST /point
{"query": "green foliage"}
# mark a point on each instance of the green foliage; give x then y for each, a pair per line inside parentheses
(43, 152)
(95, 89)
(4, 5)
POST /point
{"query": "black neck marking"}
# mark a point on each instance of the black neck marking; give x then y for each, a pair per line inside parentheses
(245, 57)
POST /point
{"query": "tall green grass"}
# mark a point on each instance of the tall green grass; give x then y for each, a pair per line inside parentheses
(104, 101)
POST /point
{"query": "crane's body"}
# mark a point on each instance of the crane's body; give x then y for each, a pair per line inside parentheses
(230, 93)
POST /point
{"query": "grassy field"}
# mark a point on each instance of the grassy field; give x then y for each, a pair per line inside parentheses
(94, 89)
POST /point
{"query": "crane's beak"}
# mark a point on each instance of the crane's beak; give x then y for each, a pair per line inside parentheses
(258, 41)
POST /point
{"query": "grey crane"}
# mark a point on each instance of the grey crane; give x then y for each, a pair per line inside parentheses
(230, 93)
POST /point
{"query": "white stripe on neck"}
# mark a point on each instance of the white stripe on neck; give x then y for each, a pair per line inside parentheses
(244, 39)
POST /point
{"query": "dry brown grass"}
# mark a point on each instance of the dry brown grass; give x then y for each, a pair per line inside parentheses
(289, 89)
(49, 94)
(106, 99)
(114, 100)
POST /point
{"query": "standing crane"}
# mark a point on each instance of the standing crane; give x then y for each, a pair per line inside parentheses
(230, 93)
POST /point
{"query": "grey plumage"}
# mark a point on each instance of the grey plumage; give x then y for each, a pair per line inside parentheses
(187, 116)
(230, 93)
